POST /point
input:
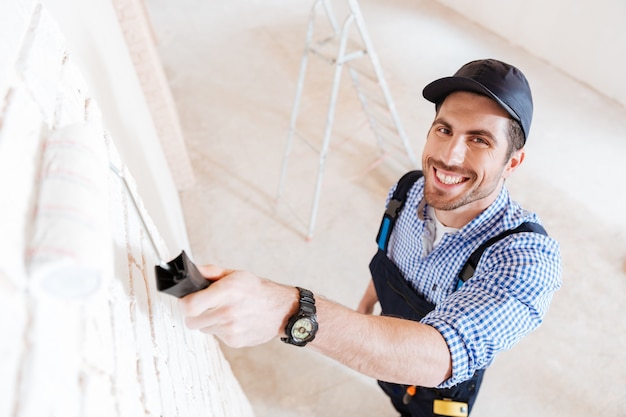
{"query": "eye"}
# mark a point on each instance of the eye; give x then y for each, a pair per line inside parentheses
(480, 141)
(444, 130)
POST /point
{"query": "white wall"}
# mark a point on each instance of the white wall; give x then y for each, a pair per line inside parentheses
(117, 347)
(585, 39)
(97, 45)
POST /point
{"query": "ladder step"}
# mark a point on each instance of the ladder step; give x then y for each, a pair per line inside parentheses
(370, 88)
(368, 81)
(362, 68)
(328, 48)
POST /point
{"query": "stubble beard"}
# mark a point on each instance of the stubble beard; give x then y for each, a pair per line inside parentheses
(440, 200)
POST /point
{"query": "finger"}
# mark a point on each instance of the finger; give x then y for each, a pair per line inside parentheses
(213, 272)
(209, 298)
(196, 303)
(205, 322)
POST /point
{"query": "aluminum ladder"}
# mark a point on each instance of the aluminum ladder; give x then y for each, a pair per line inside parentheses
(340, 50)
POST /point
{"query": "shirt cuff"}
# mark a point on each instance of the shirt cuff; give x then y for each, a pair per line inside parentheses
(458, 352)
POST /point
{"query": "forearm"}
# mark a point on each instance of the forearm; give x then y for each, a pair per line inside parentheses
(245, 310)
(386, 348)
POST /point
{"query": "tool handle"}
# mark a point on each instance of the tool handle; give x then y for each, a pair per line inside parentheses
(182, 278)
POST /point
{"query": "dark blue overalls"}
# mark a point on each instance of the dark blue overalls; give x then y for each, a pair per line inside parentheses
(398, 299)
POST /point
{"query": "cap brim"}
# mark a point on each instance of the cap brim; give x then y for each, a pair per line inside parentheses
(439, 89)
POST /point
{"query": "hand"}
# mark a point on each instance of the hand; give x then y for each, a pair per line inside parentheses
(239, 308)
(369, 300)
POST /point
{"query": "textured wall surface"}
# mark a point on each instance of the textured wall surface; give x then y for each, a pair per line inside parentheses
(117, 349)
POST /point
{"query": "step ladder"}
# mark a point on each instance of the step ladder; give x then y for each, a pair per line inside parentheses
(359, 57)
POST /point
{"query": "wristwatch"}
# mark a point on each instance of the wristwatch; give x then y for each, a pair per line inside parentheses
(302, 326)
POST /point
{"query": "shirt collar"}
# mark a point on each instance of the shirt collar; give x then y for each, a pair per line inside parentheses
(490, 216)
(484, 220)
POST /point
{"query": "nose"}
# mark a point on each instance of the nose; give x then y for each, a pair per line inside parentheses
(454, 151)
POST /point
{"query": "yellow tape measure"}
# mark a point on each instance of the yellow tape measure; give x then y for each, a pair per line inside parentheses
(450, 408)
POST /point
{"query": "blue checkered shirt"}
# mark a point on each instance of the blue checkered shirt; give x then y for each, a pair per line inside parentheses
(506, 298)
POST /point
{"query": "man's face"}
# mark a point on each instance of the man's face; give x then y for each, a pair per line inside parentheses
(464, 159)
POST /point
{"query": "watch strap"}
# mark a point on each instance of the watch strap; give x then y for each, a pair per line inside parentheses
(307, 302)
(306, 308)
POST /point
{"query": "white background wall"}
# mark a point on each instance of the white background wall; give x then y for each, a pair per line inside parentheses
(585, 39)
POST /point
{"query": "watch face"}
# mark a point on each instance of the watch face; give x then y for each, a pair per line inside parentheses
(302, 329)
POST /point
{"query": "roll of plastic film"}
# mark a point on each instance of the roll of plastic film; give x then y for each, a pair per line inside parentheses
(70, 249)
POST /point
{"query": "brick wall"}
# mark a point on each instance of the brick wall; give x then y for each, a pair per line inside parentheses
(122, 349)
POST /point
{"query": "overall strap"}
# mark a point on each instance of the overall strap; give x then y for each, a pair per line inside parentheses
(470, 266)
(396, 203)
(402, 301)
(395, 206)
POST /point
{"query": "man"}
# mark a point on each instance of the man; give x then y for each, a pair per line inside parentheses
(483, 116)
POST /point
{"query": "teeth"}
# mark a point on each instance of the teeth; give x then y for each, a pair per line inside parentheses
(449, 180)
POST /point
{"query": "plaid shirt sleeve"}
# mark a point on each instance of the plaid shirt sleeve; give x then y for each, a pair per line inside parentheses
(505, 300)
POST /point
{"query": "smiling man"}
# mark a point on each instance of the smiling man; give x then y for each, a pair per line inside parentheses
(467, 157)
(444, 318)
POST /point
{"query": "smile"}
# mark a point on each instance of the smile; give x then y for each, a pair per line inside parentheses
(449, 179)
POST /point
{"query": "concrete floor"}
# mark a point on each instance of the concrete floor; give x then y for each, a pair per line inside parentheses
(233, 67)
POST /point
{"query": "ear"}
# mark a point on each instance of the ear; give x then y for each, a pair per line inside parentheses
(514, 162)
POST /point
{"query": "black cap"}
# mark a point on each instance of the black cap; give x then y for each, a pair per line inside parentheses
(498, 80)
